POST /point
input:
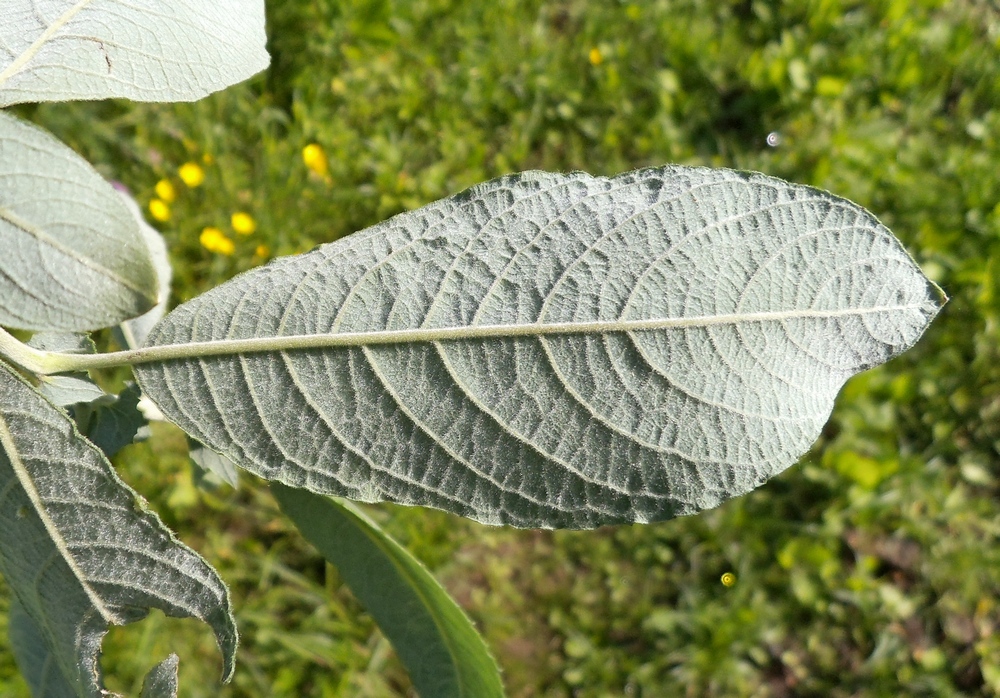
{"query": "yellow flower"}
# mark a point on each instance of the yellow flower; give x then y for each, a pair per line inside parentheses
(262, 251)
(242, 223)
(214, 240)
(728, 579)
(596, 58)
(315, 159)
(192, 174)
(165, 190)
(159, 210)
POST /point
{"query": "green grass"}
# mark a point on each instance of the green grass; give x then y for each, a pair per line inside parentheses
(870, 569)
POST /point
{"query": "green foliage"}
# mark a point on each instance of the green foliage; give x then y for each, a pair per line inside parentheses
(443, 653)
(59, 490)
(869, 571)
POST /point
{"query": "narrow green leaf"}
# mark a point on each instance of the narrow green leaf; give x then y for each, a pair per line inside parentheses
(161, 681)
(548, 350)
(72, 256)
(162, 52)
(80, 550)
(433, 637)
(34, 658)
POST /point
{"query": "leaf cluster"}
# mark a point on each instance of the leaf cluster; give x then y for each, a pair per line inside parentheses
(880, 104)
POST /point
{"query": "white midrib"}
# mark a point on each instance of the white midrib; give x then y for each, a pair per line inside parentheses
(54, 363)
(18, 64)
(14, 456)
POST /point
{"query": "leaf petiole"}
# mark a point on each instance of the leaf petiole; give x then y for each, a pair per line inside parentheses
(22, 355)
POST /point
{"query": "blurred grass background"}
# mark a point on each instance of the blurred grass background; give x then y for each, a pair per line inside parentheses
(870, 569)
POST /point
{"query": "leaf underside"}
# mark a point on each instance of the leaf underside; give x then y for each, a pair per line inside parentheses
(72, 255)
(552, 350)
(79, 550)
(34, 658)
(161, 681)
(58, 50)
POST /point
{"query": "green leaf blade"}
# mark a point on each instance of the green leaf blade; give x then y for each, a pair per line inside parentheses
(433, 637)
(79, 549)
(182, 51)
(73, 257)
(550, 350)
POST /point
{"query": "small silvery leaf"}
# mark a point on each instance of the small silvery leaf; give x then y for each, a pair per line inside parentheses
(161, 681)
(549, 350)
(56, 50)
(72, 255)
(67, 389)
(214, 468)
(82, 557)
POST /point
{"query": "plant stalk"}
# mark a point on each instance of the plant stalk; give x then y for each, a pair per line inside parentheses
(44, 363)
(27, 358)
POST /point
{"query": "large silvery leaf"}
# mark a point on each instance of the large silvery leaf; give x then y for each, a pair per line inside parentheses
(73, 258)
(550, 350)
(149, 50)
(80, 551)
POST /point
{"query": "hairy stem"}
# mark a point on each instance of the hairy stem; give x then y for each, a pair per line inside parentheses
(33, 360)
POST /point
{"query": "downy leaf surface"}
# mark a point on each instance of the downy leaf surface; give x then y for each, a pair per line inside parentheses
(56, 50)
(33, 656)
(161, 681)
(549, 350)
(79, 549)
(73, 258)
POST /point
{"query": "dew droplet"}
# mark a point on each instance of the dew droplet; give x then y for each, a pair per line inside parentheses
(774, 139)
